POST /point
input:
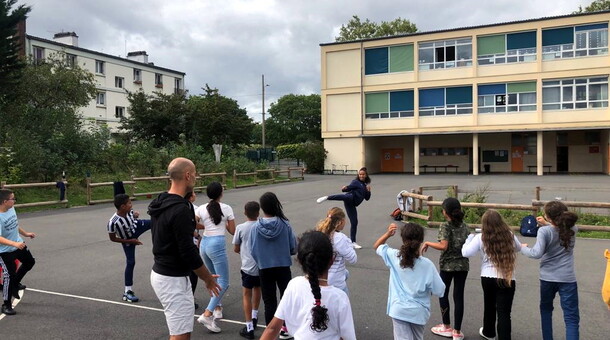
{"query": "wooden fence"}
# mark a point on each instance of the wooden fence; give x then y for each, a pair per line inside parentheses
(267, 176)
(3, 185)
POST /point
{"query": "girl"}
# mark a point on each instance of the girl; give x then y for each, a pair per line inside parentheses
(344, 251)
(412, 279)
(497, 245)
(331, 314)
(357, 191)
(453, 266)
(555, 246)
(272, 243)
(216, 218)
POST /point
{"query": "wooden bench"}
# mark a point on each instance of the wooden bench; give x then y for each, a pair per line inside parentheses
(546, 167)
(436, 167)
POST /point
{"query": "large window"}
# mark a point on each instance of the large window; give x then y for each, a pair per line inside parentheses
(177, 85)
(445, 54)
(388, 59)
(137, 76)
(99, 67)
(506, 48)
(119, 112)
(119, 82)
(101, 99)
(38, 54)
(158, 80)
(571, 42)
(512, 97)
(445, 101)
(579, 93)
(389, 104)
(70, 59)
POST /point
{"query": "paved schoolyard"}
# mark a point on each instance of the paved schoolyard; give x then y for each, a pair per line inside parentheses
(75, 288)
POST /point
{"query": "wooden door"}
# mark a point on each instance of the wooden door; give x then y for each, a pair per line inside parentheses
(516, 158)
(392, 160)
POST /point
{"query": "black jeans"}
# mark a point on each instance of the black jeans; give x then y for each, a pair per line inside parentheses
(459, 282)
(350, 209)
(11, 276)
(497, 298)
(270, 278)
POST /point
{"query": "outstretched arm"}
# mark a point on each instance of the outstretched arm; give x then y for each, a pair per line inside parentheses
(389, 233)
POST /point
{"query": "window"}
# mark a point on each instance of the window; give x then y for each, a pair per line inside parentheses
(101, 99)
(579, 41)
(445, 54)
(119, 112)
(443, 151)
(158, 80)
(99, 67)
(445, 101)
(579, 93)
(525, 139)
(592, 137)
(137, 76)
(388, 59)
(397, 104)
(38, 54)
(177, 85)
(70, 59)
(119, 82)
(512, 97)
(506, 48)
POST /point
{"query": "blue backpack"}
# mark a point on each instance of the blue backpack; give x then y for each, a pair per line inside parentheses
(529, 226)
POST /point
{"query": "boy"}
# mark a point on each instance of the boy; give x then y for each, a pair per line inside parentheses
(124, 227)
(249, 270)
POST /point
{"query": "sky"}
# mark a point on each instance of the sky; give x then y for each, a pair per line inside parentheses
(229, 44)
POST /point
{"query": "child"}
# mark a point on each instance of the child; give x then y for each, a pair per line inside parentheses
(250, 280)
(555, 246)
(497, 245)
(344, 251)
(412, 279)
(124, 227)
(273, 242)
(331, 314)
(453, 266)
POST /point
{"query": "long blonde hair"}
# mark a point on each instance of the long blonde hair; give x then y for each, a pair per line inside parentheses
(333, 219)
(499, 244)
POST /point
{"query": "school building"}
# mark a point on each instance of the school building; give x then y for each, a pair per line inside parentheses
(523, 96)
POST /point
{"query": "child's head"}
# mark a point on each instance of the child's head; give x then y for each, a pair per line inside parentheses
(251, 210)
(452, 210)
(122, 202)
(499, 243)
(315, 254)
(557, 213)
(412, 235)
(363, 175)
(191, 196)
(214, 191)
(271, 205)
(334, 221)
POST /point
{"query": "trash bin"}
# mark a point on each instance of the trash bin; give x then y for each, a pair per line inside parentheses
(487, 168)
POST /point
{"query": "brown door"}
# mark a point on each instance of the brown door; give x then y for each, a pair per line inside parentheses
(392, 160)
(516, 159)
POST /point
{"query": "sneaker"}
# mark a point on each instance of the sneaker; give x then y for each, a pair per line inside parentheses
(483, 336)
(21, 287)
(8, 310)
(322, 199)
(356, 245)
(130, 297)
(441, 330)
(244, 333)
(284, 334)
(254, 322)
(209, 323)
(217, 313)
(458, 336)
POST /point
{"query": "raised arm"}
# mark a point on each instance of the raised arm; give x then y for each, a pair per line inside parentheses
(389, 233)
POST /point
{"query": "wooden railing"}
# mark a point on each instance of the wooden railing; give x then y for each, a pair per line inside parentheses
(3, 185)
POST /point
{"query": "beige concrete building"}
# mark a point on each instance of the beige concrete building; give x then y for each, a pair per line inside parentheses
(524, 96)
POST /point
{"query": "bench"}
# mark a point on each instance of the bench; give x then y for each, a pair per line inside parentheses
(546, 167)
(436, 167)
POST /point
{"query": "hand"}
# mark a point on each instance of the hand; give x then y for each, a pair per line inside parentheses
(136, 214)
(541, 220)
(368, 187)
(391, 229)
(424, 247)
(212, 286)
(137, 242)
(344, 187)
(523, 244)
(30, 235)
(19, 245)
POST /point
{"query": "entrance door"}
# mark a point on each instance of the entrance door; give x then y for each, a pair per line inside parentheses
(562, 158)
(516, 159)
(392, 160)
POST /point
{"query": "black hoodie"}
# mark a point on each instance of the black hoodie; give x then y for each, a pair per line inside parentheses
(173, 224)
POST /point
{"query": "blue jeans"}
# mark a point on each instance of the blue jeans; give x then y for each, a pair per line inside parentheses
(568, 297)
(214, 254)
(130, 250)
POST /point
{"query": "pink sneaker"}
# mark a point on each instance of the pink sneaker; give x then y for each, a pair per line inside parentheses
(457, 335)
(441, 330)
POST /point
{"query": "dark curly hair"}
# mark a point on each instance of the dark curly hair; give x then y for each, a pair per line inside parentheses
(564, 220)
(412, 235)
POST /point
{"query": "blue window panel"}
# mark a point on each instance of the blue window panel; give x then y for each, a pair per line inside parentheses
(492, 89)
(401, 101)
(376, 60)
(459, 95)
(520, 40)
(432, 97)
(558, 36)
(591, 27)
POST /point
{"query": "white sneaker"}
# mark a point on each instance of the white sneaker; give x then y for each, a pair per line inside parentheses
(356, 245)
(322, 199)
(209, 323)
(483, 336)
(217, 313)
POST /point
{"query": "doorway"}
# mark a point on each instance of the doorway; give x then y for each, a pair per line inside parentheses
(516, 159)
(392, 160)
(562, 159)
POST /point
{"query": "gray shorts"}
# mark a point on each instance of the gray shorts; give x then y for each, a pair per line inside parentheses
(404, 330)
(176, 296)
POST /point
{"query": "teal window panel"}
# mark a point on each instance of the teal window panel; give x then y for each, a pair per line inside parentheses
(558, 36)
(401, 101)
(459, 95)
(376, 60)
(520, 40)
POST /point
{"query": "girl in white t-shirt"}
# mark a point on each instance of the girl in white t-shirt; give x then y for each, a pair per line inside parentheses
(216, 218)
(331, 315)
(332, 226)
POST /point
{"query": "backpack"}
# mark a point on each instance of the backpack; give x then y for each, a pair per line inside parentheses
(529, 226)
(396, 214)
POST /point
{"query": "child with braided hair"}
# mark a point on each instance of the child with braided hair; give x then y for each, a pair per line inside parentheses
(413, 278)
(331, 314)
(332, 226)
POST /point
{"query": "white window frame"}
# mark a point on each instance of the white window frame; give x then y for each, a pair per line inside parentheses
(137, 75)
(100, 67)
(506, 107)
(100, 99)
(177, 85)
(567, 51)
(573, 84)
(158, 80)
(434, 45)
(522, 55)
(119, 82)
(38, 53)
(119, 112)
(71, 59)
(447, 110)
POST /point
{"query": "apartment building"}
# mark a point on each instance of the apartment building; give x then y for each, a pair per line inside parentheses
(523, 96)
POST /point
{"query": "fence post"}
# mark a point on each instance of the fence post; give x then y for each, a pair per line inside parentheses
(421, 202)
(66, 189)
(455, 190)
(2, 184)
(273, 176)
(234, 178)
(430, 208)
(537, 194)
(133, 186)
(88, 190)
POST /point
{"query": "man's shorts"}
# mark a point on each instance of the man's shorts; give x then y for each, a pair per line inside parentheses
(249, 281)
(176, 296)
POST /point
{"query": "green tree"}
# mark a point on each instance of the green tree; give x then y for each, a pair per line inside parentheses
(10, 62)
(294, 119)
(595, 6)
(357, 29)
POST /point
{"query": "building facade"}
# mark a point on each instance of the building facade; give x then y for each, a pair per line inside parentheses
(526, 96)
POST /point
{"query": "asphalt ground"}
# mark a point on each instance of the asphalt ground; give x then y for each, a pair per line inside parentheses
(75, 289)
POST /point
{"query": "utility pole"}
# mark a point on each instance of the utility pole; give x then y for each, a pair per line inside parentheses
(263, 86)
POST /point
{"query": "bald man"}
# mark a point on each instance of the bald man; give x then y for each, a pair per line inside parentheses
(173, 224)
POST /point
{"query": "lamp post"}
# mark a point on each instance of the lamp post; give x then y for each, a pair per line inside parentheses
(263, 85)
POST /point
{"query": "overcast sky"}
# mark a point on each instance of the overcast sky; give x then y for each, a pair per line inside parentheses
(229, 44)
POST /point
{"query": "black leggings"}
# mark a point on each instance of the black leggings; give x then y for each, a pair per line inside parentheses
(459, 279)
(270, 279)
(498, 299)
(350, 209)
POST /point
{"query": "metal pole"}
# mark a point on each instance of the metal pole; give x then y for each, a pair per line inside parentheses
(263, 86)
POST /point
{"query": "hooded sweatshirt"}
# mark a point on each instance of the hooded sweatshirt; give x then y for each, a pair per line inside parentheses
(272, 243)
(358, 190)
(173, 224)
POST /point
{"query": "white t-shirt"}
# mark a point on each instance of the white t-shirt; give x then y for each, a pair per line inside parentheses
(212, 229)
(474, 244)
(295, 310)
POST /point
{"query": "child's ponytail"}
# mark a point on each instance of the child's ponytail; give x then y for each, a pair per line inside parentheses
(563, 219)
(331, 222)
(412, 235)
